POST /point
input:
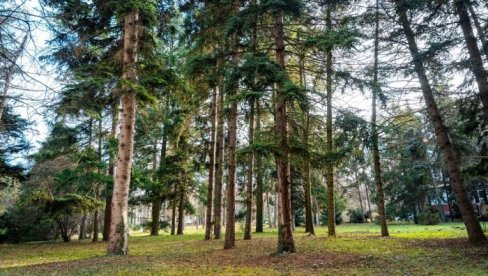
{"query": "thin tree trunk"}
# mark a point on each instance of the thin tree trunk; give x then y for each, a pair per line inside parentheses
(374, 133)
(181, 211)
(119, 228)
(156, 201)
(475, 233)
(476, 62)
(82, 234)
(259, 178)
(230, 199)
(219, 174)
(360, 197)
(330, 148)
(9, 72)
(479, 29)
(211, 169)
(173, 216)
(285, 232)
(97, 186)
(111, 166)
(250, 169)
(270, 222)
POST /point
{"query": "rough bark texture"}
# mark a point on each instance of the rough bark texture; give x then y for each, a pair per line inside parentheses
(219, 174)
(211, 168)
(330, 148)
(374, 134)
(285, 233)
(119, 228)
(230, 230)
(259, 179)
(111, 169)
(476, 62)
(475, 233)
(250, 169)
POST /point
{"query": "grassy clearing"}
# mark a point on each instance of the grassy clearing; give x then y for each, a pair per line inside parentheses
(358, 249)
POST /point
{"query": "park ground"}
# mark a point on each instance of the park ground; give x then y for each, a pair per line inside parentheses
(357, 250)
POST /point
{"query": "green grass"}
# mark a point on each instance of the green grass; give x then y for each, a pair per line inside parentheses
(358, 249)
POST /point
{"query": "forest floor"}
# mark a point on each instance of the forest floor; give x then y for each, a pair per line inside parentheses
(357, 250)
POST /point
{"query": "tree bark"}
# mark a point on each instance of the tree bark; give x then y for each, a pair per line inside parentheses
(330, 147)
(181, 211)
(230, 199)
(173, 216)
(374, 133)
(259, 178)
(479, 29)
(96, 227)
(211, 168)
(475, 233)
(286, 242)
(476, 62)
(250, 169)
(9, 72)
(111, 166)
(119, 228)
(219, 174)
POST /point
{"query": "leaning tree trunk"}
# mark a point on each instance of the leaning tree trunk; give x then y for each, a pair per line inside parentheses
(285, 232)
(219, 174)
(476, 62)
(330, 167)
(374, 133)
(479, 29)
(475, 233)
(211, 168)
(111, 170)
(250, 168)
(230, 234)
(119, 228)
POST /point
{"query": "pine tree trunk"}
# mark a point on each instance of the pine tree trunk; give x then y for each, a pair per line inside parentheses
(96, 227)
(9, 73)
(82, 232)
(475, 233)
(181, 211)
(285, 232)
(479, 29)
(111, 167)
(250, 169)
(155, 211)
(330, 148)
(119, 228)
(374, 134)
(219, 174)
(476, 62)
(231, 185)
(259, 179)
(211, 168)
(173, 216)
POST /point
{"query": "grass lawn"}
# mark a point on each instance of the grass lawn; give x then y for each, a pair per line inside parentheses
(358, 249)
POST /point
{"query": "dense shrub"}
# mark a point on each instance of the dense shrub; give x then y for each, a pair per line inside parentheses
(356, 216)
(429, 217)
